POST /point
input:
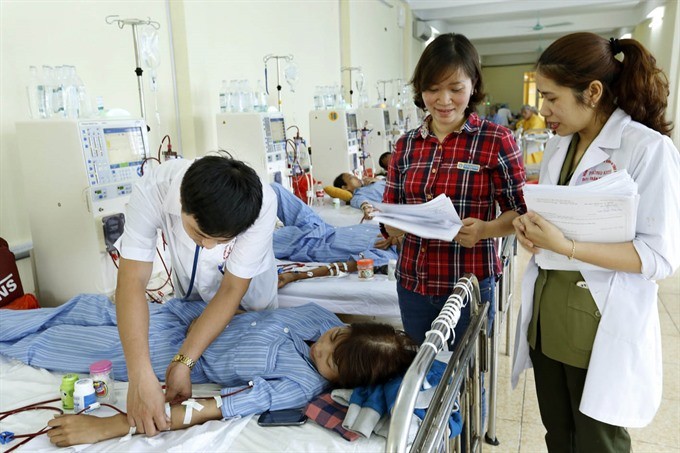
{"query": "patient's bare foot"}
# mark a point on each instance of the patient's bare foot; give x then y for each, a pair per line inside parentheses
(70, 430)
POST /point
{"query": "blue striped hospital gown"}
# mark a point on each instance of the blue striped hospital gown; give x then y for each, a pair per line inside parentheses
(266, 347)
(306, 237)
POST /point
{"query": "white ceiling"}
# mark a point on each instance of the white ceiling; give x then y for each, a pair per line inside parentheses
(503, 31)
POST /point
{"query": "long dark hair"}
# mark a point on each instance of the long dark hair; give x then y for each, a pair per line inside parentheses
(448, 52)
(635, 84)
(370, 353)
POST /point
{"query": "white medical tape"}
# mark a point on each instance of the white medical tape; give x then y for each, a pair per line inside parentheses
(448, 319)
(467, 287)
(190, 405)
(167, 410)
(128, 436)
(427, 343)
(438, 333)
(218, 401)
(443, 323)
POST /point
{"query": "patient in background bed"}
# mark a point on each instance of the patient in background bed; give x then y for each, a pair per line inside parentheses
(306, 237)
(290, 355)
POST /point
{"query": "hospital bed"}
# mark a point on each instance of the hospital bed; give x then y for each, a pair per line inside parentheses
(338, 215)
(22, 384)
(345, 296)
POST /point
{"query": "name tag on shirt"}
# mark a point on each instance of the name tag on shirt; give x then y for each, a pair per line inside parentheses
(468, 166)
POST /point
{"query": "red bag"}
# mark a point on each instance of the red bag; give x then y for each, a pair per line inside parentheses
(301, 186)
(25, 302)
(10, 283)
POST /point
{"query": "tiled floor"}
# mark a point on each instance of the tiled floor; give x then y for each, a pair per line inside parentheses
(518, 423)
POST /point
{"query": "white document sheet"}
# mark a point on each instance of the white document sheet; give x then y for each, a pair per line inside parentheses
(601, 211)
(436, 219)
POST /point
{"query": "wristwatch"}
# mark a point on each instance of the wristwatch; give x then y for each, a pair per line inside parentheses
(181, 358)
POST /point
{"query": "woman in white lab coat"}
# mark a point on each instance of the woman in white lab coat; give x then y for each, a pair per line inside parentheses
(593, 336)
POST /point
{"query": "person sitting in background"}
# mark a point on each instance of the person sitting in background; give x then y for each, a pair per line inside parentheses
(384, 162)
(530, 119)
(364, 192)
(505, 117)
(493, 115)
(305, 237)
(260, 368)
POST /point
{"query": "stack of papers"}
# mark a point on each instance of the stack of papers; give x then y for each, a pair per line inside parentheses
(600, 211)
(436, 219)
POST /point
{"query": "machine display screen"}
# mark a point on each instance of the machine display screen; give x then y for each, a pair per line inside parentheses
(352, 122)
(278, 130)
(124, 144)
(386, 116)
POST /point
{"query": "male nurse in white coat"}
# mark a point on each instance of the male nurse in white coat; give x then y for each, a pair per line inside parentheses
(592, 334)
(218, 219)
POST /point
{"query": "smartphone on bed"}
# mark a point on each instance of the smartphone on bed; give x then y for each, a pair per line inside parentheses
(285, 417)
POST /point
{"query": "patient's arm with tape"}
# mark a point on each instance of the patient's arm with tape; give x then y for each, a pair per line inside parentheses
(67, 430)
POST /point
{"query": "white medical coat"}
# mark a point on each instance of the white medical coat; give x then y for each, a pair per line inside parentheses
(624, 380)
(155, 204)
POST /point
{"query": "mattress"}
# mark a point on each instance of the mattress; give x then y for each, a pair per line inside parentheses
(22, 385)
(346, 295)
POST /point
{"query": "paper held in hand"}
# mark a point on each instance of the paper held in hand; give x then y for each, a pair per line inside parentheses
(436, 219)
(600, 211)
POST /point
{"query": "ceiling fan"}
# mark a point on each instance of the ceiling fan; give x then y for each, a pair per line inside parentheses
(539, 26)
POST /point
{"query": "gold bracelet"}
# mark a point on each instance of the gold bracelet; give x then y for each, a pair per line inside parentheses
(573, 250)
(181, 358)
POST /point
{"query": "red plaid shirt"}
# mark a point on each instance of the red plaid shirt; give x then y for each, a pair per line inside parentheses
(422, 168)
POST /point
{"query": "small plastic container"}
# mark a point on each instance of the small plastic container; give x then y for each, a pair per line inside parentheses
(83, 395)
(365, 269)
(102, 377)
(67, 387)
(391, 269)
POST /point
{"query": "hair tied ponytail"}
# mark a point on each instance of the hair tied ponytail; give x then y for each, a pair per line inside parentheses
(615, 46)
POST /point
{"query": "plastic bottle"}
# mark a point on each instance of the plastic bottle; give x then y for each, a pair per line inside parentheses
(318, 98)
(234, 97)
(224, 97)
(48, 83)
(34, 93)
(71, 101)
(83, 395)
(84, 103)
(58, 107)
(319, 193)
(260, 98)
(101, 373)
(68, 382)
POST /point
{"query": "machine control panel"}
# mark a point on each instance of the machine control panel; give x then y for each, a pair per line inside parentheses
(114, 153)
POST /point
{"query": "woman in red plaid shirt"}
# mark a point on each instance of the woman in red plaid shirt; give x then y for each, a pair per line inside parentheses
(476, 163)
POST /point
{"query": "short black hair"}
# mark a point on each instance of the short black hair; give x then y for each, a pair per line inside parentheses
(382, 159)
(224, 195)
(446, 53)
(339, 181)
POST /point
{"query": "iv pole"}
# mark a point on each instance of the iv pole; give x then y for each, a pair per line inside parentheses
(350, 69)
(138, 70)
(266, 58)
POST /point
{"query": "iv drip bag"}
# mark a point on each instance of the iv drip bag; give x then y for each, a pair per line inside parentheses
(148, 47)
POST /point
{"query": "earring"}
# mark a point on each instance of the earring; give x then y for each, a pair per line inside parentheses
(592, 105)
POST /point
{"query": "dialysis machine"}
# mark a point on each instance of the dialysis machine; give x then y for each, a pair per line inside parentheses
(259, 139)
(78, 176)
(334, 139)
(377, 121)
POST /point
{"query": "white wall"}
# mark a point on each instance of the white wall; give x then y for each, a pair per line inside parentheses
(209, 41)
(56, 33)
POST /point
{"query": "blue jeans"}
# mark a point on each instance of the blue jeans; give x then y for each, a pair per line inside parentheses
(418, 311)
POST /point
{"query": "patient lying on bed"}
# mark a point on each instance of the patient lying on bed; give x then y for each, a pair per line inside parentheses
(273, 359)
(306, 237)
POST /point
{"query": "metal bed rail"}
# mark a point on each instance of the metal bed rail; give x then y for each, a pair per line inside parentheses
(503, 301)
(464, 367)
